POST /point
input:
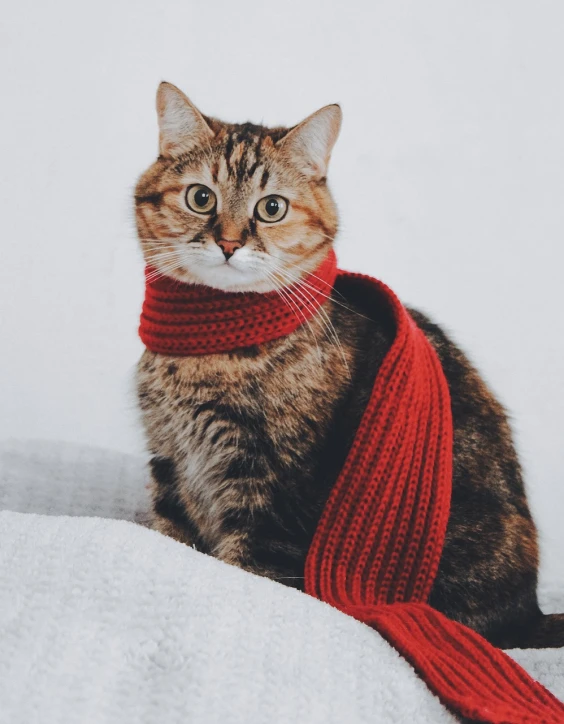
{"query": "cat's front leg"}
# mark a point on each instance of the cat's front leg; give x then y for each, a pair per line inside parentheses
(236, 551)
(259, 542)
(170, 515)
(167, 527)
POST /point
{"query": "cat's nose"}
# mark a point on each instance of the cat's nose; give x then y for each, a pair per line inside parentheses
(229, 247)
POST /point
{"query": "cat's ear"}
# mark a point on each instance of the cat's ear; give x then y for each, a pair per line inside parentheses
(181, 125)
(309, 144)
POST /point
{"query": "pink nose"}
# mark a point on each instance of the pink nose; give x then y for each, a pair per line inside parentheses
(229, 247)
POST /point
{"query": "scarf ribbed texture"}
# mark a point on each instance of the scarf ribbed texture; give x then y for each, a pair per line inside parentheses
(378, 544)
(188, 319)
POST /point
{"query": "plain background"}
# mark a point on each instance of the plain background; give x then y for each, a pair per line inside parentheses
(449, 175)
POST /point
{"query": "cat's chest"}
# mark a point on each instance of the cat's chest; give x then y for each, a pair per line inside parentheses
(193, 410)
(184, 399)
(200, 410)
(239, 427)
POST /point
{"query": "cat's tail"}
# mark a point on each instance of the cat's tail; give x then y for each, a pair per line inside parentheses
(543, 632)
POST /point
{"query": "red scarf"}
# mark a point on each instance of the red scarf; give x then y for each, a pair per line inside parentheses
(377, 547)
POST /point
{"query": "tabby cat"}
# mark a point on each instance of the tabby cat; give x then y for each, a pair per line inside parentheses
(248, 444)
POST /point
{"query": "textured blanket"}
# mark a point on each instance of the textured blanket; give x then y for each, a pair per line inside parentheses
(105, 621)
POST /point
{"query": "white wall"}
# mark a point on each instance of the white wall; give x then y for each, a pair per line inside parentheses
(449, 175)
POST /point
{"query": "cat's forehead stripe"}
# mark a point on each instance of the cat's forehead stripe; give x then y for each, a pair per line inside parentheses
(242, 153)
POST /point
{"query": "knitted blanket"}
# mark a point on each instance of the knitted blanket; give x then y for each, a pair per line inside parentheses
(105, 622)
(378, 544)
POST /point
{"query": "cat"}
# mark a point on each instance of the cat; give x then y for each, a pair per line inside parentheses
(246, 445)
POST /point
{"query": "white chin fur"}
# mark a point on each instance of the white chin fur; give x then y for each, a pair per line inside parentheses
(231, 279)
(242, 273)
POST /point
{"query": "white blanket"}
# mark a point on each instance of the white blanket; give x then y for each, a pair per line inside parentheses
(104, 621)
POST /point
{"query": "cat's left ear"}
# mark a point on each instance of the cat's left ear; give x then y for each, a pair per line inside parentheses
(309, 144)
(181, 125)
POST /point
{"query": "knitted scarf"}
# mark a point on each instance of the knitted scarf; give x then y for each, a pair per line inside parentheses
(377, 546)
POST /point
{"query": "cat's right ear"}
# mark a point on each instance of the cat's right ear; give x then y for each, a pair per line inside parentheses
(309, 144)
(181, 125)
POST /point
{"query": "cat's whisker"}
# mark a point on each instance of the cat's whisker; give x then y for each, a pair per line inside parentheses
(308, 303)
(295, 280)
(290, 306)
(325, 317)
(311, 274)
(161, 272)
(161, 261)
(283, 293)
(291, 292)
(163, 266)
(165, 260)
(287, 299)
(155, 277)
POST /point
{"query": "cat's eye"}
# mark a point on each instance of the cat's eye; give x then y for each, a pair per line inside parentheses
(201, 199)
(271, 209)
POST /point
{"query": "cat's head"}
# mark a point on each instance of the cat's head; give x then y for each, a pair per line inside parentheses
(237, 207)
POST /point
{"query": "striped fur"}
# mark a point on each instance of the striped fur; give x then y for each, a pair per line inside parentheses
(247, 445)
